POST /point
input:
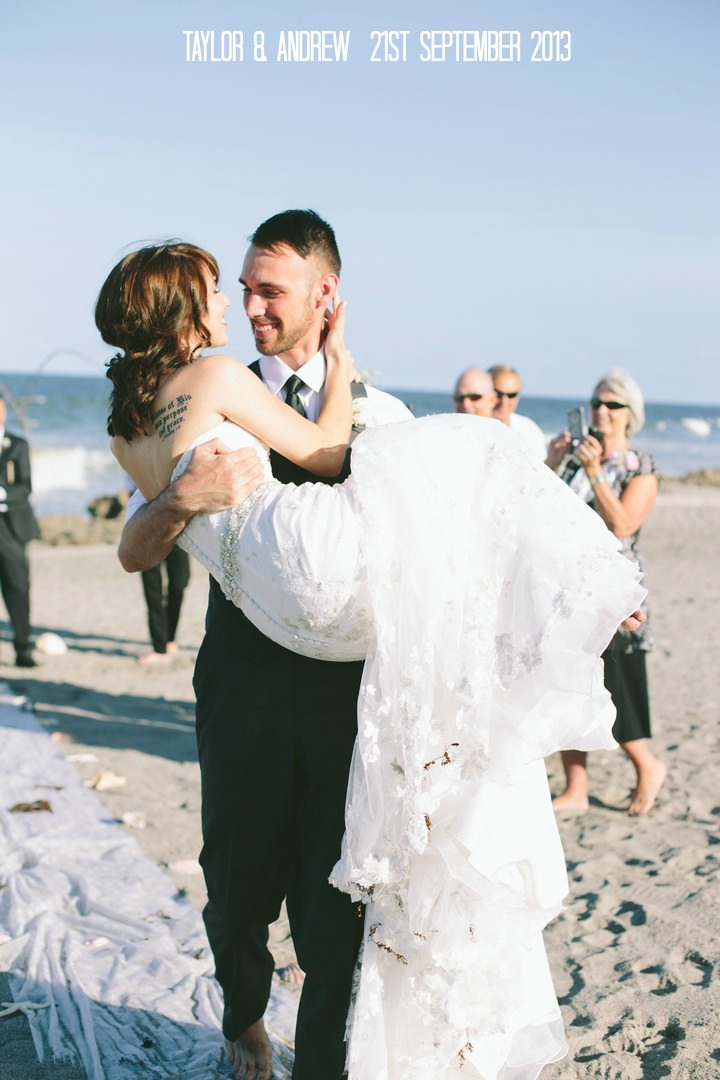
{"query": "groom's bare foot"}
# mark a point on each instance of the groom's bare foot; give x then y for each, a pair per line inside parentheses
(251, 1054)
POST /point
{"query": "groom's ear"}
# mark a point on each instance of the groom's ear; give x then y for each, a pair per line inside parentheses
(327, 287)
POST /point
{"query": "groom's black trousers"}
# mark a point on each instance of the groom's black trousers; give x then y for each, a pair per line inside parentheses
(275, 737)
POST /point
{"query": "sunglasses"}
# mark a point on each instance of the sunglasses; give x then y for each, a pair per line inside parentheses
(470, 397)
(596, 402)
(512, 394)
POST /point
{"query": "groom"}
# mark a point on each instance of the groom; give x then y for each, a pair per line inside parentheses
(275, 730)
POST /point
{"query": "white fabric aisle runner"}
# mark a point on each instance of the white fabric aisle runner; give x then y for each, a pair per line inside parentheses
(97, 932)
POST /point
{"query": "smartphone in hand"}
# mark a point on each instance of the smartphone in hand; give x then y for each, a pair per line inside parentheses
(576, 425)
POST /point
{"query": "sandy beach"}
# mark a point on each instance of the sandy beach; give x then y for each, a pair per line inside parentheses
(635, 955)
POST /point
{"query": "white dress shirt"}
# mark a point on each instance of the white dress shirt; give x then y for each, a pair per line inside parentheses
(275, 373)
(377, 408)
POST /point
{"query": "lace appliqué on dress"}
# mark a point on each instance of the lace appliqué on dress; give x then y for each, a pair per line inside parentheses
(230, 546)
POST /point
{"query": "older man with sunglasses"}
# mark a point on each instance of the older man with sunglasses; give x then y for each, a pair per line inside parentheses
(508, 386)
(474, 393)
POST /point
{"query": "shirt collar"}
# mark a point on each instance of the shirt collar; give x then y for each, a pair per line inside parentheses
(275, 372)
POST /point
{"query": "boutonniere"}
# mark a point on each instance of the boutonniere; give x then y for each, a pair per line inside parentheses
(6, 442)
(359, 419)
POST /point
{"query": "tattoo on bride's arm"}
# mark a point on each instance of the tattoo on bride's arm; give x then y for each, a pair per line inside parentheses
(169, 417)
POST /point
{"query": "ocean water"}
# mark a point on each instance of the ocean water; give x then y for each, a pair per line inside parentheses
(64, 418)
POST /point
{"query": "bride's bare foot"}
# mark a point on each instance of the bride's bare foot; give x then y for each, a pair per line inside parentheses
(569, 801)
(649, 783)
(251, 1054)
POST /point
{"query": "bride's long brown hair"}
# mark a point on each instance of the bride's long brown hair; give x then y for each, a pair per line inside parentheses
(152, 308)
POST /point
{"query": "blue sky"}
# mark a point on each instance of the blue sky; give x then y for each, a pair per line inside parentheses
(559, 216)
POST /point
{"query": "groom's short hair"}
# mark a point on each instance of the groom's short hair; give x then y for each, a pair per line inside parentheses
(302, 230)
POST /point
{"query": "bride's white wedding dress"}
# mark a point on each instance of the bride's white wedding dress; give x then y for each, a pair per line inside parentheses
(482, 592)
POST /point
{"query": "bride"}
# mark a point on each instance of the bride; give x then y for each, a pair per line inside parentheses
(481, 593)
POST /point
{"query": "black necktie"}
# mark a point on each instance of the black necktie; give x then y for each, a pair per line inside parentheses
(292, 396)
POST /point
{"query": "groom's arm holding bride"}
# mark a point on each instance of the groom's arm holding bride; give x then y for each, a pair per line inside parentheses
(216, 479)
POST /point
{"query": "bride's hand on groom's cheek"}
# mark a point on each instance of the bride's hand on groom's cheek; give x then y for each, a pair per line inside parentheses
(336, 351)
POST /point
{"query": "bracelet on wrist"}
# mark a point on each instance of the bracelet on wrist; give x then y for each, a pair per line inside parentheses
(595, 479)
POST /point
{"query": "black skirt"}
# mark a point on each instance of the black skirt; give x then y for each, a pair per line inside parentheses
(626, 679)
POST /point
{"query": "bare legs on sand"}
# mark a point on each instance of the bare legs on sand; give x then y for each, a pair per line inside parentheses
(651, 773)
(649, 770)
(575, 795)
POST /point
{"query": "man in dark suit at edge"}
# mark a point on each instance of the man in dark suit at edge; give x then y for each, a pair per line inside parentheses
(17, 526)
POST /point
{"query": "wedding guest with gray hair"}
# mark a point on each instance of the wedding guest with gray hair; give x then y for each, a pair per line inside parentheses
(620, 483)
